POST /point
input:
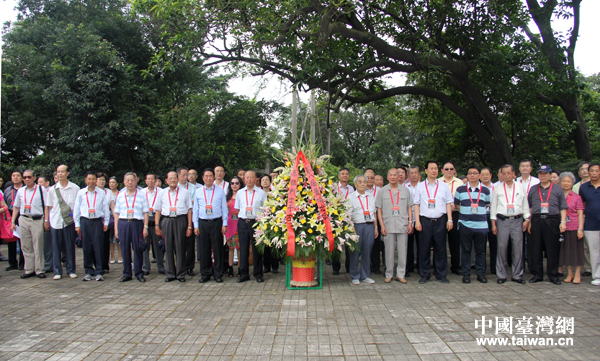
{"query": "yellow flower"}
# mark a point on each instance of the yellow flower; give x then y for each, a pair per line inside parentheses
(341, 218)
(286, 178)
(321, 228)
(299, 188)
(304, 193)
(313, 201)
(345, 227)
(335, 212)
(303, 221)
(276, 229)
(273, 210)
(315, 216)
(285, 208)
(265, 226)
(310, 230)
(330, 182)
(310, 209)
(289, 164)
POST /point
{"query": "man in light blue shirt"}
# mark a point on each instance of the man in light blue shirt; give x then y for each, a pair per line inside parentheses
(210, 224)
(91, 216)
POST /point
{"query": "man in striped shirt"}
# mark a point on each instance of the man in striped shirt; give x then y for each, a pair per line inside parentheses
(471, 200)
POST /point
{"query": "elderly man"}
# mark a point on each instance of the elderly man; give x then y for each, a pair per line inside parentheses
(174, 219)
(378, 250)
(31, 207)
(44, 181)
(210, 225)
(449, 171)
(548, 219)
(433, 211)
(591, 200)
(363, 214)
(182, 174)
(61, 202)
(379, 181)
(582, 169)
(394, 212)
(220, 179)
(343, 189)
(151, 192)
(509, 207)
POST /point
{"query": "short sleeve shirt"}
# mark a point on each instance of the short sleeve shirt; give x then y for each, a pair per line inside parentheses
(590, 195)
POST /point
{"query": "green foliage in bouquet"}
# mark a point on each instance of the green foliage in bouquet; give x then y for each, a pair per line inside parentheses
(310, 235)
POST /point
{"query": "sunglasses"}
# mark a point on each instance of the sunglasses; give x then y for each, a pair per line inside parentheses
(235, 183)
(27, 177)
(448, 168)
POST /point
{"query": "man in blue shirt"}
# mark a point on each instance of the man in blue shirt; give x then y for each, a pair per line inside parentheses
(590, 195)
(210, 224)
(471, 200)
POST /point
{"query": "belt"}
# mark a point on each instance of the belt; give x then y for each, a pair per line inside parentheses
(92, 219)
(543, 216)
(181, 215)
(248, 220)
(503, 217)
(131, 220)
(432, 219)
(35, 218)
(210, 220)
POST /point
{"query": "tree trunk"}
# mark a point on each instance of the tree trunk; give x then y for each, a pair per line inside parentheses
(580, 134)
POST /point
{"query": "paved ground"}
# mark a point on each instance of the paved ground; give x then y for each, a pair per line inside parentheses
(75, 320)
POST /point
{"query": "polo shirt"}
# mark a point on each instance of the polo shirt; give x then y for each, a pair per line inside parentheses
(344, 191)
(529, 183)
(556, 200)
(255, 199)
(361, 203)
(590, 195)
(31, 198)
(137, 201)
(452, 185)
(463, 197)
(180, 199)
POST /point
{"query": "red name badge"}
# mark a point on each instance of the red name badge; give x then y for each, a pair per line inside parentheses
(234, 214)
(395, 210)
(474, 207)
(208, 210)
(151, 210)
(129, 213)
(545, 207)
(248, 211)
(172, 211)
(367, 215)
(431, 204)
(91, 213)
(27, 209)
(510, 208)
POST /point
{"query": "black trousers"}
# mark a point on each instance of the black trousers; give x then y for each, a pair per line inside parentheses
(173, 230)
(271, 259)
(545, 234)
(129, 234)
(12, 255)
(493, 244)
(106, 248)
(413, 242)
(211, 238)
(246, 235)
(434, 232)
(92, 238)
(190, 252)
(336, 263)
(377, 253)
(454, 243)
(469, 239)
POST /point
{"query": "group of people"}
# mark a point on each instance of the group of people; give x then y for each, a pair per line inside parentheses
(401, 223)
(521, 219)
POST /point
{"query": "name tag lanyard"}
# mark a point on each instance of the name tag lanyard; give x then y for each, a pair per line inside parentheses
(251, 203)
(347, 190)
(30, 200)
(473, 205)
(154, 200)
(175, 205)
(547, 204)
(88, 201)
(132, 204)
(451, 186)
(396, 208)
(511, 204)
(207, 206)
(366, 212)
(528, 184)
(427, 189)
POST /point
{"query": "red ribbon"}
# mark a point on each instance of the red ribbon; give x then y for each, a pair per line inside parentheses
(291, 205)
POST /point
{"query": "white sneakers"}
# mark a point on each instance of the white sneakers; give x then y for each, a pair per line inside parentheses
(57, 277)
(99, 278)
(596, 282)
(368, 280)
(88, 278)
(355, 281)
(72, 275)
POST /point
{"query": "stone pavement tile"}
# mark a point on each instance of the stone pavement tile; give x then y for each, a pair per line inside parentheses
(465, 347)
(520, 355)
(475, 356)
(32, 356)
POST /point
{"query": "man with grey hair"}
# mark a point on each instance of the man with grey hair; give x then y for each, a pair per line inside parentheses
(30, 206)
(378, 250)
(591, 201)
(394, 212)
(362, 209)
(583, 171)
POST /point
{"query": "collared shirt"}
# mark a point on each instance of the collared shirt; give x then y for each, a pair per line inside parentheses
(344, 191)
(478, 220)
(10, 194)
(31, 198)
(501, 199)
(576, 186)
(152, 198)
(190, 188)
(373, 191)
(452, 185)
(168, 198)
(360, 204)
(590, 195)
(136, 202)
(225, 186)
(215, 197)
(242, 204)
(491, 187)
(529, 183)
(442, 198)
(575, 204)
(95, 200)
(413, 191)
(68, 194)
(557, 201)
(394, 221)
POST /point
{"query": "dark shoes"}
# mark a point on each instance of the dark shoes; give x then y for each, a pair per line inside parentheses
(181, 279)
(535, 280)
(243, 279)
(377, 271)
(457, 272)
(146, 273)
(10, 268)
(556, 282)
(161, 272)
(41, 275)
(482, 279)
(203, 280)
(190, 273)
(219, 280)
(230, 272)
(466, 278)
(335, 273)
(520, 281)
(503, 280)
(275, 270)
(423, 280)
(443, 280)
(27, 275)
(170, 279)
(586, 274)
(141, 279)
(125, 279)
(260, 280)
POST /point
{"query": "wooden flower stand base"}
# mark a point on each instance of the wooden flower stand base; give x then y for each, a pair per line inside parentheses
(300, 275)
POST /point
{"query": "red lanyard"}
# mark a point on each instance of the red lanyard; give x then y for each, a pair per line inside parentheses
(88, 201)
(211, 197)
(478, 197)
(253, 192)
(569, 199)
(513, 196)
(347, 190)
(12, 196)
(427, 189)
(540, 191)
(397, 197)
(452, 186)
(25, 195)
(361, 205)
(127, 203)
(155, 194)
(374, 192)
(223, 186)
(176, 194)
(528, 185)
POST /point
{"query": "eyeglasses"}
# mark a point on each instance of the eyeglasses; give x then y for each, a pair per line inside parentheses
(27, 177)
(448, 168)
(235, 183)
(472, 173)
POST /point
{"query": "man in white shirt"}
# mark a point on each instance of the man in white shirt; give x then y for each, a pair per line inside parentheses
(486, 180)
(44, 181)
(449, 171)
(363, 215)
(343, 190)
(378, 249)
(62, 225)
(152, 193)
(220, 179)
(248, 201)
(91, 216)
(527, 181)
(509, 212)
(414, 177)
(182, 174)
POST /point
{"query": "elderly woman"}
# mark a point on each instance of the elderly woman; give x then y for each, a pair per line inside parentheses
(571, 249)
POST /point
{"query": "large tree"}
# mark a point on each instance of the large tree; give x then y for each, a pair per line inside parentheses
(349, 48)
